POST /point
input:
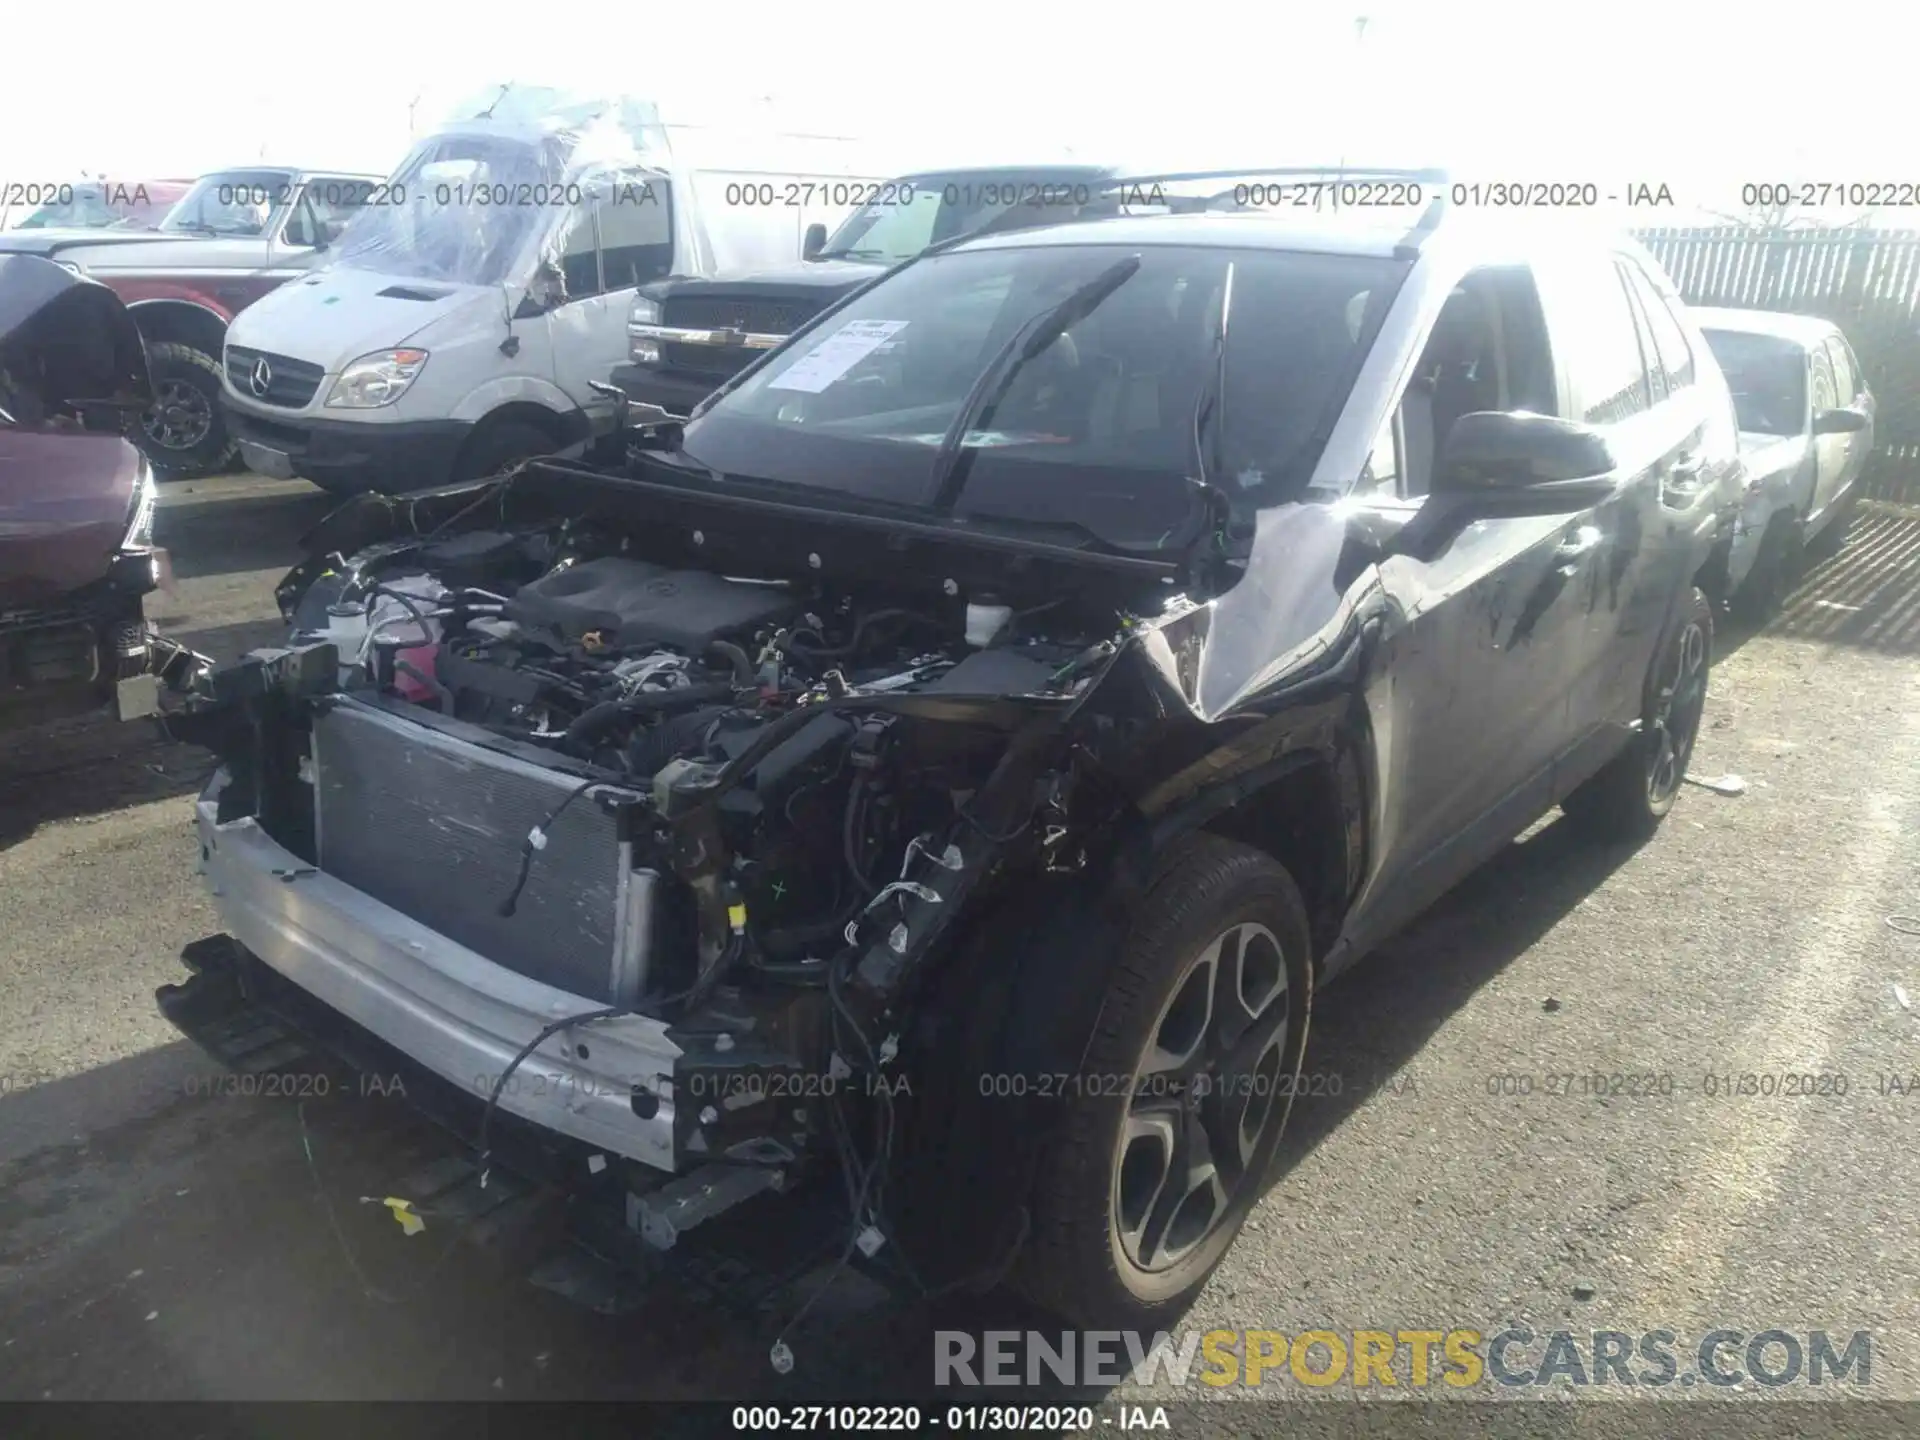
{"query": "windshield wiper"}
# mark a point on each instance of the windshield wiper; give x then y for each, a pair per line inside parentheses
(851, 252)
(949, 462)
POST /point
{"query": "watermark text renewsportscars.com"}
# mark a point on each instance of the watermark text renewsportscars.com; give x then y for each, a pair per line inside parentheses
(1456, 1358)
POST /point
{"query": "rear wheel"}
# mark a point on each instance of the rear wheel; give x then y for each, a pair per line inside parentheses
(499, 445)
(1631, 795)
(1182, 1096)
(184, 433)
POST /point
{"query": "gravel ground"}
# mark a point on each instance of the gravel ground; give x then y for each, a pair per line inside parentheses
(155, 1245)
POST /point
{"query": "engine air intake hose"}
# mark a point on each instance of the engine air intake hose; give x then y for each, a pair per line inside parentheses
(600, 721)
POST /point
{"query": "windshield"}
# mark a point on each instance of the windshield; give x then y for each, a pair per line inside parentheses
(231, 202)
(909, 215)
(461, 209)
(1094, 432)
(81, 207)
(1768, 377)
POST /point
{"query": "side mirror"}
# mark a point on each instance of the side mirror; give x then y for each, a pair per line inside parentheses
(814, 242)
(1522, 463)
(1845, 421)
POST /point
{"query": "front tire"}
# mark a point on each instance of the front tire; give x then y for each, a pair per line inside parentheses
(1629, 797)
(185, 432)
(1183, 1094)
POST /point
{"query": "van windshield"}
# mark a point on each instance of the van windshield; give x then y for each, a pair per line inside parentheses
(462, 209)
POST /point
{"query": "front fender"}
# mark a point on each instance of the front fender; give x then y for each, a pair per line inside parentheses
(490, 395)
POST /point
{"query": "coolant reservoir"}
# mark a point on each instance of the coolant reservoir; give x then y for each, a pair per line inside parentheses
(351, 626)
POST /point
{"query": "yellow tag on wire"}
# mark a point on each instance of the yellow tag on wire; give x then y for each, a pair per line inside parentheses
(403, 1211)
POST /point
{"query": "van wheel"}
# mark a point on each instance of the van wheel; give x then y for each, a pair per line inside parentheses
(184, 433)
(1182, 1096)
(499, 445)
(1775, 568)
(1629, 797)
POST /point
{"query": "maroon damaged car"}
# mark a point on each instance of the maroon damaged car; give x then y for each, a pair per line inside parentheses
(77, 559)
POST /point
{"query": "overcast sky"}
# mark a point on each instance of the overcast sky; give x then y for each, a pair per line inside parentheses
(1699, 97)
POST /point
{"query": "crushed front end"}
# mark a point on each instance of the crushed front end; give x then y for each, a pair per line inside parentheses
(656, 854)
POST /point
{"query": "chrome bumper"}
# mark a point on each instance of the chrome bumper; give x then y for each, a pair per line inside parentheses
(680, 335)
(458, 1014)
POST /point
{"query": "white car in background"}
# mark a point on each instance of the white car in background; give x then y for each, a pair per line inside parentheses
(1806, 429)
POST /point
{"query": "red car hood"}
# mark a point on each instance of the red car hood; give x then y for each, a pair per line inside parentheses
(65, 501)
(73, 377)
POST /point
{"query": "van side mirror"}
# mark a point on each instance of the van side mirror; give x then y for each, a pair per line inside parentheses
(1844, 421)
(814, 242)
(1515, 462)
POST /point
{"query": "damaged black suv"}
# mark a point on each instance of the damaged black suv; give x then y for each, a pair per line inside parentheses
(944, 771)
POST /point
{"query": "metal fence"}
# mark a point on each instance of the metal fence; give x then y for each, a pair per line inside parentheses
(1866, 281)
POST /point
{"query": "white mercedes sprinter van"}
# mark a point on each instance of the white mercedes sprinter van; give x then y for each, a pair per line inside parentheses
(468, 305)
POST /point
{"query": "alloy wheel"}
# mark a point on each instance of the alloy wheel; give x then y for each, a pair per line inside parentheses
(1676, 720)
(180, 417)
(1206, 1090)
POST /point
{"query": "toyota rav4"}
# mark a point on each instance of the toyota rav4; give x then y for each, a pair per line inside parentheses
(940, 775)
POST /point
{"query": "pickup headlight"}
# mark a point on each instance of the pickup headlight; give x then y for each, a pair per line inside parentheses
(375, 380)
(139, 534)
(643, 349)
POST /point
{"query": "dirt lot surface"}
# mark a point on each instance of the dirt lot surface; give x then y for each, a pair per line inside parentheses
(160, 1244)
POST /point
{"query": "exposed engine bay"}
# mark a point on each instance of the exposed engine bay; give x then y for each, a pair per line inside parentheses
(631, 665)
(663, 678)
(749, 810)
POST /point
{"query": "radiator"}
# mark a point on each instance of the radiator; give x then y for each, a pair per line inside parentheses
(434, 827)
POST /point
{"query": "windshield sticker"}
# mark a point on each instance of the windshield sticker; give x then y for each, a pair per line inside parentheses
(836, 355)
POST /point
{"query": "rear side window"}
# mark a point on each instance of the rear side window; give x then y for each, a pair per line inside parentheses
(1846, 382)
(620, 240)
(1823, 389)
(636, 234)
(1670, 361)
(1610, 373)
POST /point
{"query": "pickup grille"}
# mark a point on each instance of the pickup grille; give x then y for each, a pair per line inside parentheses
(716, 312)
(292, 384)
(434, 827)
